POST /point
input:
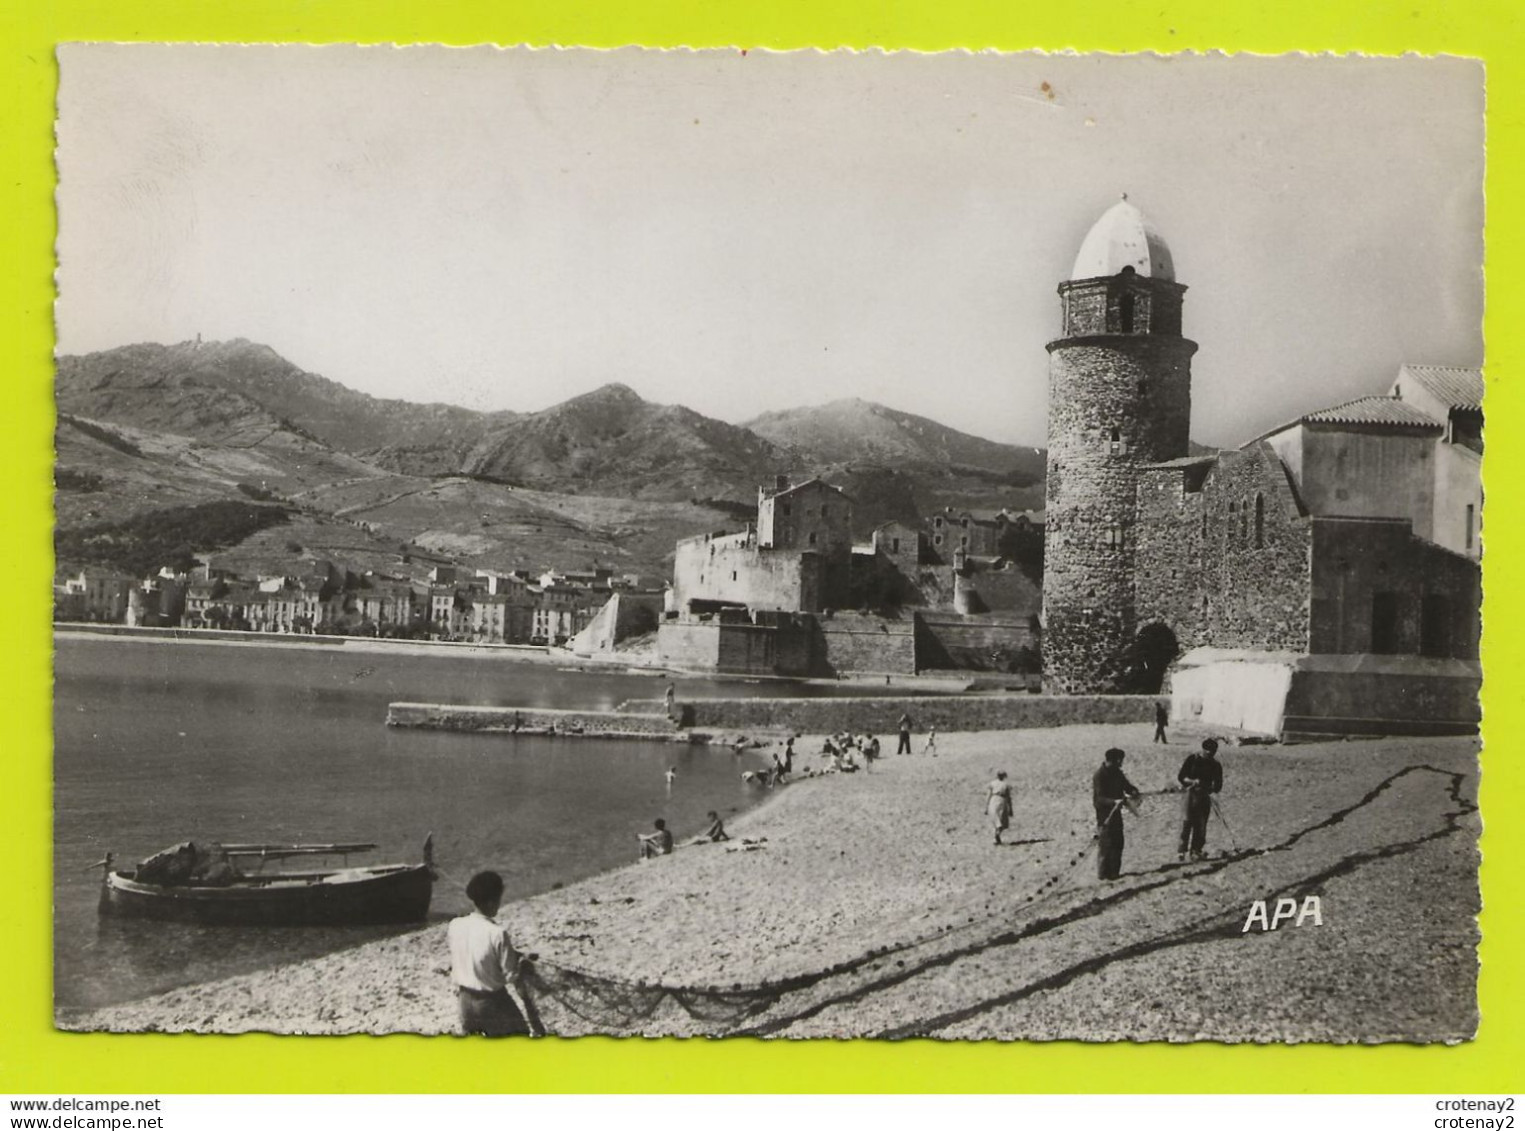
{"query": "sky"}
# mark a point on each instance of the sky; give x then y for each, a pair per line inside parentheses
(744, 232)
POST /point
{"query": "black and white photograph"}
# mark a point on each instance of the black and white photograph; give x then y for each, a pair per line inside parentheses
(976, 546)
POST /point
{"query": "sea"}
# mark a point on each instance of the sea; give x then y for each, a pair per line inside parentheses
(158, 742)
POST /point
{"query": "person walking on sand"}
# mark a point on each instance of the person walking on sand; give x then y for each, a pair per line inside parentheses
(484, 964)
(1110, 787)
(1161, 717)
(931, 746)
(789, 755)
(905, 735)
(1201, 776)
(998, 804)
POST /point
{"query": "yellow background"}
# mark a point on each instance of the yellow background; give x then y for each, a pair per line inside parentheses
(36, 1059)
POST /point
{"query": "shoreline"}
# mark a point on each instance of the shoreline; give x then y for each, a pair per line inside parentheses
(635, 663)
(877, 905)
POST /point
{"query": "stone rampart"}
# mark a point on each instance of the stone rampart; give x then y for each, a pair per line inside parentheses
(526, 720)
(865, 715)
(879, 714)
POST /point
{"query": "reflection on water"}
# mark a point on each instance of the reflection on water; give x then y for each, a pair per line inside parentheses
(158, 743)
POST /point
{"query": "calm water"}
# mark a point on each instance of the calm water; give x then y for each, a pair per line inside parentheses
(158, 743)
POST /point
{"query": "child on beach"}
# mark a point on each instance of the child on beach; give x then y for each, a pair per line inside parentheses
(715, 833)
(931, 746)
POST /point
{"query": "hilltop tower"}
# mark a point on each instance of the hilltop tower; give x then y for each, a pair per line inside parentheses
(1119, 398)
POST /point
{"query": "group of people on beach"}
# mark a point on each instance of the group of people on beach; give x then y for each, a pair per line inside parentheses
(1199, 778)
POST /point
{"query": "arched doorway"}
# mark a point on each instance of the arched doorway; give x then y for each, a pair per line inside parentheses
(1154, 648)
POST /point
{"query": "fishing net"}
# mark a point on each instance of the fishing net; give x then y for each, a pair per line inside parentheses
(572, 1002)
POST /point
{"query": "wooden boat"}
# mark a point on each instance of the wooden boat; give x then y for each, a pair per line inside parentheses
(227, 885)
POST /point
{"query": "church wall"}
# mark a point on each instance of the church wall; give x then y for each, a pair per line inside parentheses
(1354, 560)
(1258, 593)
(1458, 485)
(1367, 474)
(1218, 582)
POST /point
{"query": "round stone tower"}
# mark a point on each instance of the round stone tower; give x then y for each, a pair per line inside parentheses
(1119, 397)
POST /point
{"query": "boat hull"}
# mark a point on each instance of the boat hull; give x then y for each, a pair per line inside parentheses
(394, 894)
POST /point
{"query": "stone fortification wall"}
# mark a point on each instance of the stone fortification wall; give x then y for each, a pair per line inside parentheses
(1358, 702)
(866, 715)
(879, 715)
(526, 720)
(732, 568)
(978, 643)
(857, 642)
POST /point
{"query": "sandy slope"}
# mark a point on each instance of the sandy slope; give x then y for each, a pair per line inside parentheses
(879, 906)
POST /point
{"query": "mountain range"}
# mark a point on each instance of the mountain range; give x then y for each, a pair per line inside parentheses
(606, 476)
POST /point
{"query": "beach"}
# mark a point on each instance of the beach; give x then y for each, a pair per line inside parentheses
(876, 904)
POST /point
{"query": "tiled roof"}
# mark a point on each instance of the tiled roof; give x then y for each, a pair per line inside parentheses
(1373, 410)
(1453, 386)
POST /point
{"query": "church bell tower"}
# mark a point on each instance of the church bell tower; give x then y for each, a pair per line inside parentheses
(1119, 399)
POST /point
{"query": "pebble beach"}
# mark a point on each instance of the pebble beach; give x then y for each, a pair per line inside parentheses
(876, 904)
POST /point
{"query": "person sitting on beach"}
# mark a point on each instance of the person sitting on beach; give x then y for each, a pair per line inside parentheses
(658, 843)
(484, 964)
(715, 833)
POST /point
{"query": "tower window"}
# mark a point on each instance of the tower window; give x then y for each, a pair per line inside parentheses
(1471, 523)
(1116, 444)
(812, 537)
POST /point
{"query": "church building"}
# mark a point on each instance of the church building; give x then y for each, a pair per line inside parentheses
(1321, 579)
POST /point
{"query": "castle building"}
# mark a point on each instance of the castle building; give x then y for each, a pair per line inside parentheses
(1323, 578)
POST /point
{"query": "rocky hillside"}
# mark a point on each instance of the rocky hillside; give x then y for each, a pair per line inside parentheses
(610, 441)
(858, 431)
(605, 476)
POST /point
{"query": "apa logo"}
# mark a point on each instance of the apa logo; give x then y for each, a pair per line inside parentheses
(1285, 909)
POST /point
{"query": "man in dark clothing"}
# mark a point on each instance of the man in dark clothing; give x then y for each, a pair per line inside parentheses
(1161, 717)
(1201, 776)
(905, 735)
(1109, 787)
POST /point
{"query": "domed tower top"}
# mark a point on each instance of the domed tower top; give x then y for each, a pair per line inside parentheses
(1123, 238)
